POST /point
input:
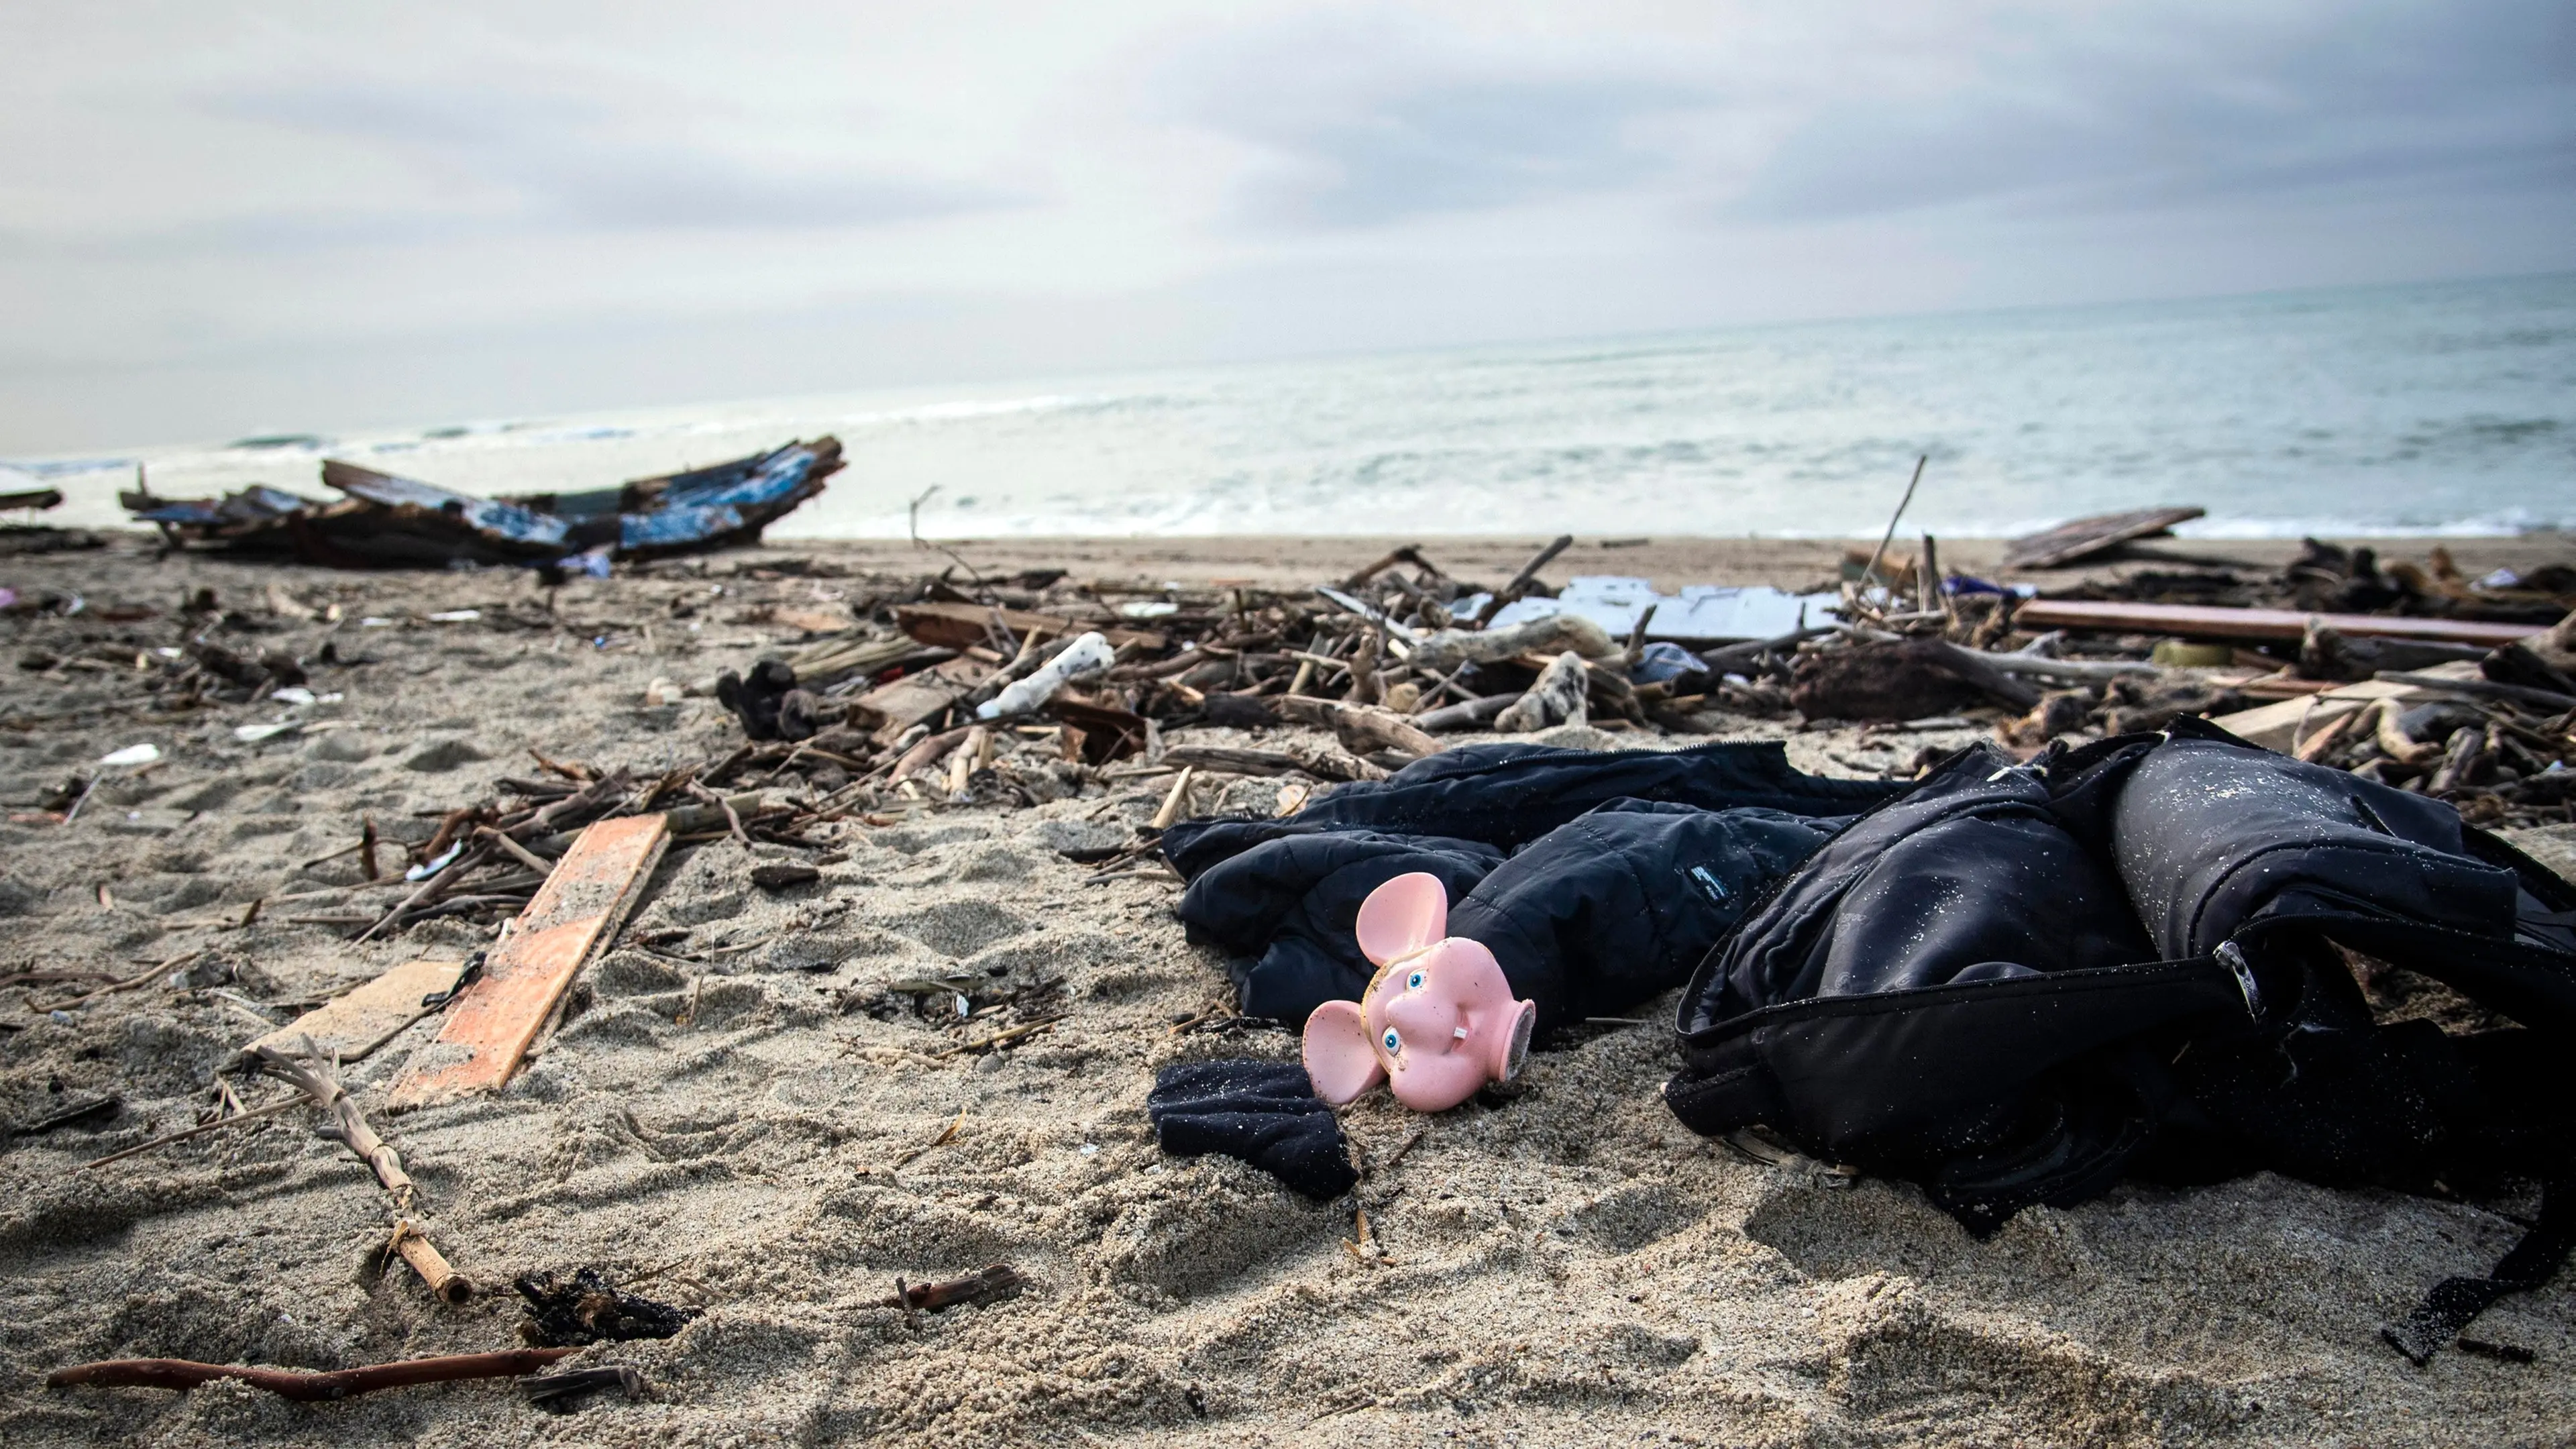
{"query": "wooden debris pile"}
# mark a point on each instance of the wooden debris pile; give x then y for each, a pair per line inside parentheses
(2431, 682)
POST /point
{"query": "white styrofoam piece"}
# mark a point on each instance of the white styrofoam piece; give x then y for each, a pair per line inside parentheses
(1699, 611)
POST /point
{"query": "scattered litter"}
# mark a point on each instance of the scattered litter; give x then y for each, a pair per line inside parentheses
(131, 755)
(455, 616)
(1087, 655)
(435, 864)
(1700, 613)
(556, 1392)
(587, 1308)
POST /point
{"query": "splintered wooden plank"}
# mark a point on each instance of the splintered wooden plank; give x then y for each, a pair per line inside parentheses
(918, 696)
(357, 1022)
(2085, 537)
(960, 626)
(491, 1026)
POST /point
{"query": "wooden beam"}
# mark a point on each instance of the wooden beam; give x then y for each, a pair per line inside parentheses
(2204, 621)
(581, 905)
(2084, 537)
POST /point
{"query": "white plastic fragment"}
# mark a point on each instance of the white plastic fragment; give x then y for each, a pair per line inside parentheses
(427, 869)
(132, 755)
(456, 616)
(1148, 609)
(293, 694)
(1089, 654)
(253, 734)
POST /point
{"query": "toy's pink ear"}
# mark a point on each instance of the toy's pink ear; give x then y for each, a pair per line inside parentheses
(1338, 1059)
(1403, 916)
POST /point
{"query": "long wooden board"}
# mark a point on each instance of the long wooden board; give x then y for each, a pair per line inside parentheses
(2084, 537)
(491, 1027)
(2206, 621)
(357, 1022)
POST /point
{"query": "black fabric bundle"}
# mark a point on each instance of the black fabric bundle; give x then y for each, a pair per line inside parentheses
(1597, 879)
(2023, 981)
(1265, 1113)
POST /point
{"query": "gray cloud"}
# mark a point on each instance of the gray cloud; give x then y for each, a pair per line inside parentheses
(574, 160)
(1369, 121)
(2481, 92)
(1455, 146)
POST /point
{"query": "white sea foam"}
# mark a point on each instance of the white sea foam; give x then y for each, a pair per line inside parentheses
(2447, 409)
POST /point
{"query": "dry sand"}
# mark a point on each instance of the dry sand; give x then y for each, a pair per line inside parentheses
(1569, 1267)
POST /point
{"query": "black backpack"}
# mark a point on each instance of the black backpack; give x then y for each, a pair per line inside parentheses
(2019, 983)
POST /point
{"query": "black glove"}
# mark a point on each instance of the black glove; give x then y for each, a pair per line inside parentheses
(1266, 1113)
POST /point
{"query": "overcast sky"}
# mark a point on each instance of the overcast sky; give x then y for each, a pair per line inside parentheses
(221, 218)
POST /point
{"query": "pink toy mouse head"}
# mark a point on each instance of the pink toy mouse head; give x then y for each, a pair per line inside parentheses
(1438, 1020)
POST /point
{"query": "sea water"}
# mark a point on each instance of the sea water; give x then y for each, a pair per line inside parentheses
(2446, 408)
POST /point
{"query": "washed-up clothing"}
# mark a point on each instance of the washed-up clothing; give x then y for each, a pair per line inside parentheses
(2022, 982)
(1592, 899)
(1265, 1113)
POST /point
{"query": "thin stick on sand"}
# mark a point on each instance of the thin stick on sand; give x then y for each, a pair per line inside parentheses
(180, 1373)
(1870, 575)
(200, 1130)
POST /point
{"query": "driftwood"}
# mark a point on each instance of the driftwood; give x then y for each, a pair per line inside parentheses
(1361, 728)
(1521, 581)
(445, 1283)
(1556, 633)
(2084, 537)
(1469, 715)
(179, 1373)
(2482, 689)
(993, 1282)
(1174, 802)
(2209, 621)
(307, 1072)
(1559, 696)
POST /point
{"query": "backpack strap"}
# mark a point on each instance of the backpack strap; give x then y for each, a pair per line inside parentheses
(2455, 1303)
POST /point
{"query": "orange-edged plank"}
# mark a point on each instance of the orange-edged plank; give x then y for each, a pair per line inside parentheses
(2205, 621)
(491, 1026)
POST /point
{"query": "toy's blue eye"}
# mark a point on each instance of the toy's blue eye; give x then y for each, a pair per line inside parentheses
(1393, 1042)
(1413, 982)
